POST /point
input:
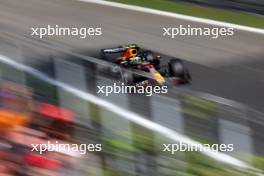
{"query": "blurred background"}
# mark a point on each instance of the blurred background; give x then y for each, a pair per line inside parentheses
(48, 92)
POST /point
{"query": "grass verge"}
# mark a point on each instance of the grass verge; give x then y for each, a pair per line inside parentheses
(230, 16)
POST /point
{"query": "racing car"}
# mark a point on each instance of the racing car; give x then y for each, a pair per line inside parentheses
(135, 58)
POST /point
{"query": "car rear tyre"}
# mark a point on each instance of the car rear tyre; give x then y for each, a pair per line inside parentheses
(177, 69)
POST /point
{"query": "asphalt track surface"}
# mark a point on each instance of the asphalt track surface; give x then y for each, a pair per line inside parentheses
(229, 67)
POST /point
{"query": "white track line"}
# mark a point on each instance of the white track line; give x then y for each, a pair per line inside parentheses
(175, 15)
(129, 115)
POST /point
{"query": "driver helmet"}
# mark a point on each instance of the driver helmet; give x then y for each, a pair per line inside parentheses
(131, 51)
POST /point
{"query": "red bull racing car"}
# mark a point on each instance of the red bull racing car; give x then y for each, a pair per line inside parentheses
(132, 57)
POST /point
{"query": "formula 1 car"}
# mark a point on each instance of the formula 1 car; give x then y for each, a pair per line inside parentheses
(133, 57)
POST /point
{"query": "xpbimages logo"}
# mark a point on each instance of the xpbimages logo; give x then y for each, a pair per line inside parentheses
(188, 30)
(125, 89)
(183, 147)
(65, 147)
(56, 30)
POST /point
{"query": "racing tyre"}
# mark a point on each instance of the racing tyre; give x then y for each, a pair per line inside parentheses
(177, 69)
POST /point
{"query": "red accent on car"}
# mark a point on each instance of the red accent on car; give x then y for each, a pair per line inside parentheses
(149, 66)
